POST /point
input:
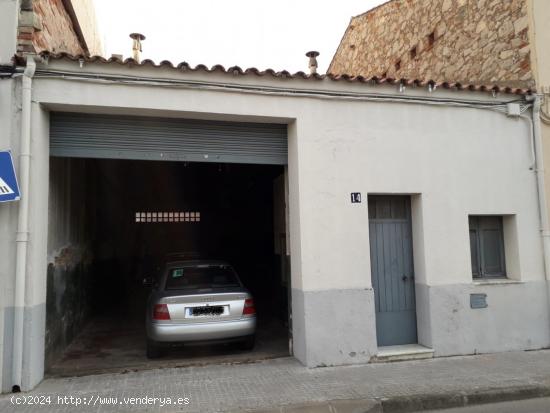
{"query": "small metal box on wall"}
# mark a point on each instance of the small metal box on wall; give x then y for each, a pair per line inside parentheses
(478, 301)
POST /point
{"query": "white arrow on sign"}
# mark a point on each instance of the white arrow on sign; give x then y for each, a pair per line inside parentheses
(5, 188)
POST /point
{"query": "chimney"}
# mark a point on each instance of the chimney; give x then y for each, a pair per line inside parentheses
(136, 46)
(312, 61)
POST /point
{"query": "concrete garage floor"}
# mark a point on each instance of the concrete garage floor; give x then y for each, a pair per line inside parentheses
(111, 345)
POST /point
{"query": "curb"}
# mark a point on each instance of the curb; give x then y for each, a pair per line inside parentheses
(419, 402)
(416, 402)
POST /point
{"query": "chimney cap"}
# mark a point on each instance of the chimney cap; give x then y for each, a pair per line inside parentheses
(137, 36)
(312, 53)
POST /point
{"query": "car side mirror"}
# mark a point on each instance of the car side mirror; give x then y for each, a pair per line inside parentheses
(148, 281)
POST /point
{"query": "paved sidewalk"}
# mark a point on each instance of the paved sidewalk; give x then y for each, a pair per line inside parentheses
(284, 382)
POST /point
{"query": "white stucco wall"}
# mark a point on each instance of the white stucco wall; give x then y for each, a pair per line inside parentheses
(462, 161)
(7, 213)
(35, 286)
(454, 161)
(539, 36)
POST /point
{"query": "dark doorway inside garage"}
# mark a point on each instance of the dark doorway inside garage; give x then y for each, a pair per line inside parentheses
(113, 221)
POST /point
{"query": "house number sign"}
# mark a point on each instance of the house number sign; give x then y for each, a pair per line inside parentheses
(356, 197)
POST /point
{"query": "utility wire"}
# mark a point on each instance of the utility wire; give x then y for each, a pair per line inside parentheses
(499, 106)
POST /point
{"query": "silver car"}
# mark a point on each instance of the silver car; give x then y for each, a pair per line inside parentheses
(195, 301)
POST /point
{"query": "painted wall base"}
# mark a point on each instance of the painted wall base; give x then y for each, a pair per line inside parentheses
(338, 327)
(516, 318)
(33, 347)
(333, 327)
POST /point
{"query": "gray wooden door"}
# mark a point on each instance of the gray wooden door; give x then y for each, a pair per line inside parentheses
(392, 269)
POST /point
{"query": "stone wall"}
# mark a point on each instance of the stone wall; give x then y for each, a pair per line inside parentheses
(46, 25)
(475, 41)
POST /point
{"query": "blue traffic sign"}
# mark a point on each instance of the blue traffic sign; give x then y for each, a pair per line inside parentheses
(9, 190)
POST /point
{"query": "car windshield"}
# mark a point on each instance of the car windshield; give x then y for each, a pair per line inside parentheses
(207, 276)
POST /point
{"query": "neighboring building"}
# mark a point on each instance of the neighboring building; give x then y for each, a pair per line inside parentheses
(86, 21)
(53, 25)
(408, 215)
(468, 41)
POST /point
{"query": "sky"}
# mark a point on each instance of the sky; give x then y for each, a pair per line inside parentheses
(247, 33)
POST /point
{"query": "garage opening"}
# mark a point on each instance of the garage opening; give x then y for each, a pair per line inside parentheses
(114, 218)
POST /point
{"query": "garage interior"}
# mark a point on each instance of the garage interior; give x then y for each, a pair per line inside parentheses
(110, 223)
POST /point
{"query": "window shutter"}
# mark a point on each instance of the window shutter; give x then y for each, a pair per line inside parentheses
(487, 246)
(474, 249)
(167, 139)
(492, 246)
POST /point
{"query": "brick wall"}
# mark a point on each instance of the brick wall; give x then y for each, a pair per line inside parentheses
(46, 25)
(479, 41)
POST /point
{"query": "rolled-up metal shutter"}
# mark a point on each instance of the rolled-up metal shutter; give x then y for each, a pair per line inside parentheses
(131, 137)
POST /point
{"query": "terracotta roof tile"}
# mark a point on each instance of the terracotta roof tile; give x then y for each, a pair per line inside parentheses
(237, 71)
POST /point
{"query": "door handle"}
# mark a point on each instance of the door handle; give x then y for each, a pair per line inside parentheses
(404, 278)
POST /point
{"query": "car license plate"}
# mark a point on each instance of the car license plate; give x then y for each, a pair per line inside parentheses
(208, 310)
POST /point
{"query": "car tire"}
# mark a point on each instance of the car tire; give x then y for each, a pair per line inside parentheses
(153, 350)
(248, 343)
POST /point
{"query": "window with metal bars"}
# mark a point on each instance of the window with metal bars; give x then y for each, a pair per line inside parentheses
(168, 216)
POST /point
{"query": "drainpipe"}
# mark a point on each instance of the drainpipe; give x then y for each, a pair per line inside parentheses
(22, 238)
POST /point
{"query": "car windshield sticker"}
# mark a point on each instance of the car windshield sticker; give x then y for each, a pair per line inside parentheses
(177, 273)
